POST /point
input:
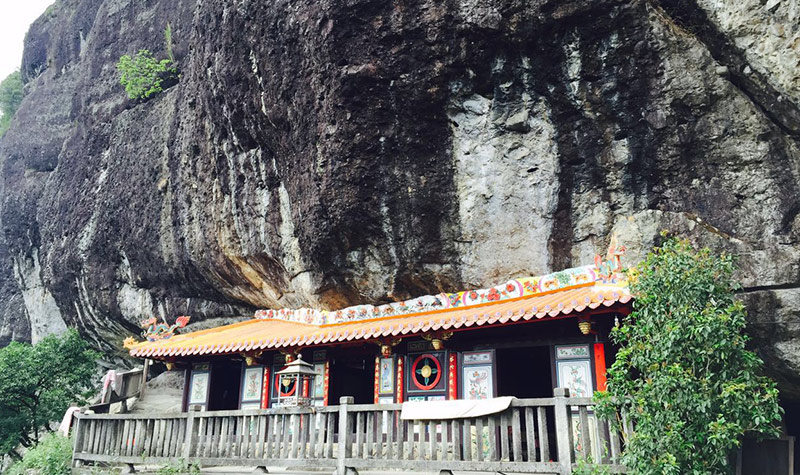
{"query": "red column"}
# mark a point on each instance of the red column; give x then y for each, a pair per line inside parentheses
(399, 379)
(265, 389)
(326, 380)
(377, 378)
(452, 384)
(600, 366)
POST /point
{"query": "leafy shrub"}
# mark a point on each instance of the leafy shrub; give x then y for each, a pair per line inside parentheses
(683, 375)
(52, 456)
(37, 384)
(143, 75)
(586, 466)
(10, 98)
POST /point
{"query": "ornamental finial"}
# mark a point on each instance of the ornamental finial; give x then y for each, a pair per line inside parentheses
(161, 331)
(610, 268)
(129, 342)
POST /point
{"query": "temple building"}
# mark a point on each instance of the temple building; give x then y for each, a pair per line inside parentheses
(521, 338)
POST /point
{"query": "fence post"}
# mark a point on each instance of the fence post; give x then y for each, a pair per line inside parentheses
(188, 440)
(563, 429)
(76, 434)
(345, 434)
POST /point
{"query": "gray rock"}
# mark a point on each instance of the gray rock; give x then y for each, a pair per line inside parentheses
(325, 154)
(518, 122)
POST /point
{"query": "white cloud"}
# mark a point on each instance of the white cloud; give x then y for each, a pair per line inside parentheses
(15, 18)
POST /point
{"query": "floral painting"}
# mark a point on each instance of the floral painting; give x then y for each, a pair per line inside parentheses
(199, 388)
(478, 382)
(576, 376)
(253, 380)
(577, 436)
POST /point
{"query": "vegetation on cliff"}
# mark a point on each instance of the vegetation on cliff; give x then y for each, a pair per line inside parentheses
(38, 383)
(683, 366)
(143, 75)
(10, 98)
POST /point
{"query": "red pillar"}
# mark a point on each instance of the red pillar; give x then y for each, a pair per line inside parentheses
(600, 365)
(326, 380)
(452, 383)
(265, 389)
(377, 378)
(399, 379)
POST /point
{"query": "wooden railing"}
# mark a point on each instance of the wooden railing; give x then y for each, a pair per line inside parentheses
(548, 435)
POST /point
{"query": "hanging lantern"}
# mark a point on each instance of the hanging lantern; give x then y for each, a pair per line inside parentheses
(387, 344)
(437, 339)
(293, 380)
(251, 358)
(585, 326)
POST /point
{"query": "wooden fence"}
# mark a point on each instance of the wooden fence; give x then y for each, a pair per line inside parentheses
(548, 435)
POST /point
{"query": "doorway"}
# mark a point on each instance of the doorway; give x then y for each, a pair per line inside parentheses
(352, 375)
(524, 372)
(226, 380)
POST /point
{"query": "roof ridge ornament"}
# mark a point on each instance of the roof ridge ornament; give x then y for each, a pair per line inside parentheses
(609, 269)
(154, 331)
(515, 288)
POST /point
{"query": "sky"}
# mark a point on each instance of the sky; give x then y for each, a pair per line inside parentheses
(17, 16)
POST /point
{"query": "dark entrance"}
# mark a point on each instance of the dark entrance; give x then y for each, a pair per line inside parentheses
(524, 372)
(226, 379)
(352, 375)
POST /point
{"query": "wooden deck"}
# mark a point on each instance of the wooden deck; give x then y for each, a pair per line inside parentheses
(533, 436)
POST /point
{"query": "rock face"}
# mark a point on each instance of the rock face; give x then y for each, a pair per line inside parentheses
(327, 153)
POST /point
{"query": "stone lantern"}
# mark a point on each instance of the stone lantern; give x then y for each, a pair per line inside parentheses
(296, 383)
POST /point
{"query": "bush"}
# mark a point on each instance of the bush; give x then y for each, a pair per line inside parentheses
(52, 456)
(683, 375)
(143, 75)
(10, 98)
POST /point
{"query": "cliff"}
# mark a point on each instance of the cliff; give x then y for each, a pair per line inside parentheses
(328, 153)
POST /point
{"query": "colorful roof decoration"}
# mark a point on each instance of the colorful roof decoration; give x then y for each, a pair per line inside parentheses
(553, 295)
(155, 330)
(510, 290)
(484, 310)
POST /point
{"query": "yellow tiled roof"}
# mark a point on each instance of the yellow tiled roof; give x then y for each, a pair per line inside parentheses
(263, 334)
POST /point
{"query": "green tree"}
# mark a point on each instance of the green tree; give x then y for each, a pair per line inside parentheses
(10, 98)
(37, 384)
(683, 375)
(143, 75)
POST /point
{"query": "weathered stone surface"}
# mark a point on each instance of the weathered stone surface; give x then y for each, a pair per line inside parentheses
(164, 394)
(328, 153)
